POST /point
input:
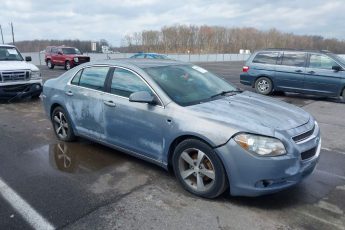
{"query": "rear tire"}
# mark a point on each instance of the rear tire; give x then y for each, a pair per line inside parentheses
(50, 64)
(263, 85)
(198, 169)
(62, 125)
(36, 96)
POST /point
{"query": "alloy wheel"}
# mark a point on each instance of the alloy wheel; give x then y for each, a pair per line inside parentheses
(60, 125)
(196, 169)
(263, 86)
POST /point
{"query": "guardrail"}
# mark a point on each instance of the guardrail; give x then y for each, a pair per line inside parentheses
(38, 58)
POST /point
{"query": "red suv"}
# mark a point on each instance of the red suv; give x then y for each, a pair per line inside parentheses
(64, 56)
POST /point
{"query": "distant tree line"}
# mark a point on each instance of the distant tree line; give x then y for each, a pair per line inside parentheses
(38, 45)
(216, 39)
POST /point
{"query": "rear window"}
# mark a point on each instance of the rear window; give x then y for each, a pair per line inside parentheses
(93, 77)
(266, 58)
(294, 59)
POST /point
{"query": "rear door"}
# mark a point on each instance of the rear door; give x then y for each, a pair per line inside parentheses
(84, 100)
(320, 78)
(290, 73)
(54, 56)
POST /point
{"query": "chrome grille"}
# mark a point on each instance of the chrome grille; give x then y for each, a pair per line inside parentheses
(10, 76)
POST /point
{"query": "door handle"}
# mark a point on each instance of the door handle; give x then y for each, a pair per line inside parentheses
(311, 72)
(109, 103)
(298, 71)
(69, 93)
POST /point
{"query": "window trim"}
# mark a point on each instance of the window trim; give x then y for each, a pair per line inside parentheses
(111, 69)
(305, 59)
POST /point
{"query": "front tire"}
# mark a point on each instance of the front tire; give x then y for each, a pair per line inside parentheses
(342, 97)
(199, 169)
(68, 65)
(264, 86)
(50, 64)
(62, 125)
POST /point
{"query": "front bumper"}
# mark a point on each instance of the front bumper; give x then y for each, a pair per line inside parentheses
(20, 89)
(251, 175)
(80, 61)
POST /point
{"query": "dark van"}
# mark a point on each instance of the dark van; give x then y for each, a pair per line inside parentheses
(309, 72)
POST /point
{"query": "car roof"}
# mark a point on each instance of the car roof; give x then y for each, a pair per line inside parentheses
(5, 45)
(60, 46)
(297, 50)
(141, 63)
(151, 54)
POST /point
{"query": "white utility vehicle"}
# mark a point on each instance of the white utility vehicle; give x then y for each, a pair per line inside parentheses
(18, 77)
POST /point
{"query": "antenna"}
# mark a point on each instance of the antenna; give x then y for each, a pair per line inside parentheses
(12, 33)
(2, 36)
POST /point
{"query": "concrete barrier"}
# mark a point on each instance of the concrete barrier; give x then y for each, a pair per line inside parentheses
(38, 58)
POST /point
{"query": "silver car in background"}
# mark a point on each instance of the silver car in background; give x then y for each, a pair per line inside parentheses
(182, 117)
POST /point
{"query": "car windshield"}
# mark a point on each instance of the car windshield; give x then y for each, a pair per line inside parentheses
(158, 56)
(341, 59)
(189, 84)
(70, 51)
(10, 54)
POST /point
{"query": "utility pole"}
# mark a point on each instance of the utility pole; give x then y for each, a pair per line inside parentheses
(2, 36)
(12, 33)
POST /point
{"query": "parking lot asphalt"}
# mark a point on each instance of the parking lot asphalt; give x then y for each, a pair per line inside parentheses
(84, 185)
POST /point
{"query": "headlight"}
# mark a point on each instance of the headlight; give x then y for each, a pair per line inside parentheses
(261, 145)
(35, 75)
(76, 59)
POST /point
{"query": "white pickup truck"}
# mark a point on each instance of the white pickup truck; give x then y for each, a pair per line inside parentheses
(18, 77)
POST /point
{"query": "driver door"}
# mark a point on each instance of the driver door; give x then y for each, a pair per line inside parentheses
(137, 127)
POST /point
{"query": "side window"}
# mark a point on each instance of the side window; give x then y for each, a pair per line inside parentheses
(125, 82)
(138, 56)
(94, 77)
(266, 58)
(321, 61)
(76, 78)
(54, 50)
(294, 59)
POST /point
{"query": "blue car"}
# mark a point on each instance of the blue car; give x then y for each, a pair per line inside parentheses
(184, 118)
(150, 56)
(309, 72)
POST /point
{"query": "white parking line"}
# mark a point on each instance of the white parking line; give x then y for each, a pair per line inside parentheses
(331, 150)
(23, 208)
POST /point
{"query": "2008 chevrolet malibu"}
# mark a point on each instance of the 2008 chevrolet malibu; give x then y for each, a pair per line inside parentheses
(182, 117)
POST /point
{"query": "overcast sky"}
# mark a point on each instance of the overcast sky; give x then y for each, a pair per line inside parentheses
(112, 19)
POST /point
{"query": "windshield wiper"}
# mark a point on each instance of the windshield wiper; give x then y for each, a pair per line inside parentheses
(223, 93)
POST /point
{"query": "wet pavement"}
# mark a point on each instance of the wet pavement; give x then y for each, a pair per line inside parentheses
(84, 185)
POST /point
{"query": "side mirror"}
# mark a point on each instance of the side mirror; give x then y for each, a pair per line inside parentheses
(28, 58)
(337, 68)
(142, 97)
(59, 53)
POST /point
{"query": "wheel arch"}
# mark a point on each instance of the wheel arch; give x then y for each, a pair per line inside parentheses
(57, 104)
(342, 90)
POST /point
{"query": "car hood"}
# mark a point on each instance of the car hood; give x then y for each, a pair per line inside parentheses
(16, 65)
(252, 112)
